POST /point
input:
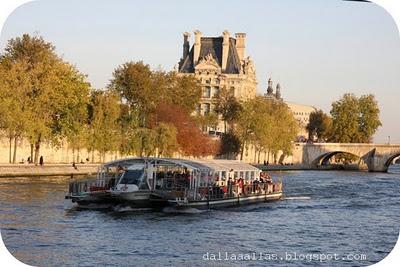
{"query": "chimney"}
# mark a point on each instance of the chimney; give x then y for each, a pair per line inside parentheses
(196, 46)
(225, 49)
(240, 44)
(186, 44)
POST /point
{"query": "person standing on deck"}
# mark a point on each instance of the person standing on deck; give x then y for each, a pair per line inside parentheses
(41, 162)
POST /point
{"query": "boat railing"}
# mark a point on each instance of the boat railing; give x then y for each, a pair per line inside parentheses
(234, 190)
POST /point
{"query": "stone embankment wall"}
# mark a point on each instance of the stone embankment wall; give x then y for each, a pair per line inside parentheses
(22, 170)
(63, 154)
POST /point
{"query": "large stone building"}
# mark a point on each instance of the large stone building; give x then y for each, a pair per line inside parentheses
(218, 62)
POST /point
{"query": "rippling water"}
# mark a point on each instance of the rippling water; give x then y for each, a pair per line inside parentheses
(347, 213)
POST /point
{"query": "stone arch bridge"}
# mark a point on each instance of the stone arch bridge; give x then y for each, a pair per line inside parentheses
(377, 157)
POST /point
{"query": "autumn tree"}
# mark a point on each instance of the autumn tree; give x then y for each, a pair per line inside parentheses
(48, 84)
(267, 125)
(192, 142)
(354, 120)
(227, 106)
(104, 126)
(14, 117)
(319, 126)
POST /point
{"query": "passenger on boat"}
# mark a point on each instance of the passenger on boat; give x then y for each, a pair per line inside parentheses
(230, 186)
(240, 186)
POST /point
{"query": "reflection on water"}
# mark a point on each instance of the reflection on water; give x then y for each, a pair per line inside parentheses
(324, 212)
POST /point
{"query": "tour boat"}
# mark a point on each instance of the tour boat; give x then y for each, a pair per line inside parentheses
(181, 183)
(208, 184)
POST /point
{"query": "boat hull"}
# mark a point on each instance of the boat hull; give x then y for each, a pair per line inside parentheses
(137, 199)
(227, 202)
(92, 200)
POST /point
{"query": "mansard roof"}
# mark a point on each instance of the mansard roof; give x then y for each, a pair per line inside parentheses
(213, 46)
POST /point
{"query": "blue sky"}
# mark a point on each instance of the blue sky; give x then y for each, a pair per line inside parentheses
(317, 50)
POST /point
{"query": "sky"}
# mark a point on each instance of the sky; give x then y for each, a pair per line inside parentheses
(316, 50)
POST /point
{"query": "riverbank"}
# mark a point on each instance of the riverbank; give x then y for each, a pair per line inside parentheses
(23, 170)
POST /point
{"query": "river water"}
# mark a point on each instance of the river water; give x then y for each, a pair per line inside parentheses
(347, 218)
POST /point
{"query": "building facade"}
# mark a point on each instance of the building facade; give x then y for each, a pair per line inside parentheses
(218, 62)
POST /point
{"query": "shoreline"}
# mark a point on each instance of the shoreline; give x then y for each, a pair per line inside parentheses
(25, 170)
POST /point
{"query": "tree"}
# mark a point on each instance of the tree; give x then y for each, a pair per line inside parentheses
(192, 142)
(227, 106)
(51, 89)
(104, 126)
(267, 125)
(133, 82)
(230, 145)
(320, 125)
(166, 142)
(143, 89)
(354, 120)
(14, 82)
(369, 120)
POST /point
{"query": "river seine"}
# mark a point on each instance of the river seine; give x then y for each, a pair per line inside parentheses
(329, 218)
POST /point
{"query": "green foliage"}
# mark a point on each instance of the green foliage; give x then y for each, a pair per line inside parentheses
(354, 120)
(227, 106)
(45, 96)
(230, 144)
(143, 89)
(319, 126)
(266, 124)
(104, 127)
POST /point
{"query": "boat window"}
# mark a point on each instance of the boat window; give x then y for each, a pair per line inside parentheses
(132, 177)
(241, 175)
(247, 175)
(223, 175)
(252, 175)
(235, 175)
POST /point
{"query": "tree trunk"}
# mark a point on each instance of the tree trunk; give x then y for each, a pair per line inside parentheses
(242, 151)
(255, 154)
(93, 156)
(10, 150)
(259, 153)
(224, 126)
(15, 150)
(77, 155)
(31, 158)
(37, 151)
(73, 154)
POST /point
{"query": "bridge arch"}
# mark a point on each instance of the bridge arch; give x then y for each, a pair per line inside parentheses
(324, 159)
(391, 158)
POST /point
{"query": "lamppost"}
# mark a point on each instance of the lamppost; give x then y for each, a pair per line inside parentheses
(389, 139)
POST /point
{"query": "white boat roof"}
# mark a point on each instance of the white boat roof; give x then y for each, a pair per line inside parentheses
(199, 164)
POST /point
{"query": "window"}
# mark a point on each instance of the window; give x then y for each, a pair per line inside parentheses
(252, 175)
(132, 177)
(241, 175)
(207, 108)
(216, 91)
(207, 92)
(223, 175)
(247, 175)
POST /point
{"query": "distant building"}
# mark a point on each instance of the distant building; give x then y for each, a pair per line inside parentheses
(218, 62)
(300, 112)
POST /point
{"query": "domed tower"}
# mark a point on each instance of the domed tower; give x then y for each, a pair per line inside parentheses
(270, 90)
(278, 92)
